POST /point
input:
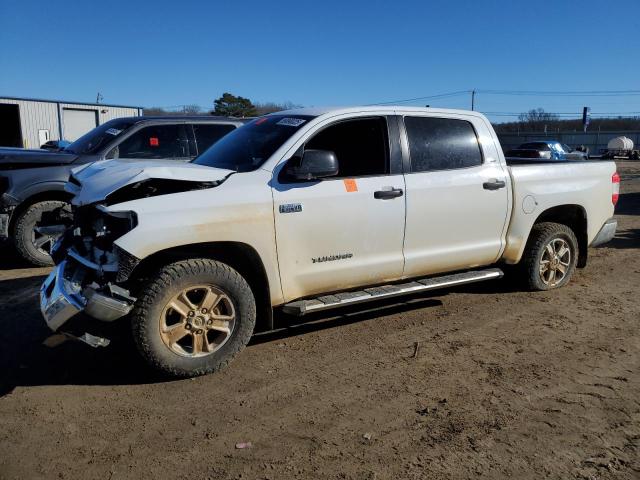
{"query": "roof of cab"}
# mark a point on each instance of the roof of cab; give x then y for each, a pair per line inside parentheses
(390, 109)
(181, 118)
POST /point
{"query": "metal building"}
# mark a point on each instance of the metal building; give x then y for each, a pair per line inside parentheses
(30, 122)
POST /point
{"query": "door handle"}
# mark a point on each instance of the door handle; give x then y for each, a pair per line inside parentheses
(388, 193)
(494, 184)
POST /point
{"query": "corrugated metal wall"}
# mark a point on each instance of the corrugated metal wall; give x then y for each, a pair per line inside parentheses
(43, 115)
(105, 112)
(35, 116)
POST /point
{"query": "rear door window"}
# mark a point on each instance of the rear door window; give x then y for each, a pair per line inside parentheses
(158, 142)
(441, 144)
(208, 134)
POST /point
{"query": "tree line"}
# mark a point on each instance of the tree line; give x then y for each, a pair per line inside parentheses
(537, 120)
(228, 105)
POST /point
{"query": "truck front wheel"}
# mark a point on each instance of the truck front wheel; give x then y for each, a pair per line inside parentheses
(550, 256)
(193, 317)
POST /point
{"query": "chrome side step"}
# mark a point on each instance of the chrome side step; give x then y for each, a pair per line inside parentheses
(302, 307)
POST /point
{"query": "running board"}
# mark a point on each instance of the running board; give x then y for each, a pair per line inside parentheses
(302, 307)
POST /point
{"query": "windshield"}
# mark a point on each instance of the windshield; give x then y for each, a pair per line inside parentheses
(248, 147)
(97, 138)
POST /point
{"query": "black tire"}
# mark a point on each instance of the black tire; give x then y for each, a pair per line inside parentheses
(26, 240)
(542, 234)
(147, 316)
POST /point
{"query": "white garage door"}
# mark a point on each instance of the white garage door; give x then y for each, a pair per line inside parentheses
(78, 122)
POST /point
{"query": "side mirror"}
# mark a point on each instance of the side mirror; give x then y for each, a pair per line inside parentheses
(314, 164)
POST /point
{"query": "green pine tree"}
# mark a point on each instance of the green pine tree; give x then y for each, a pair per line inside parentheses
(229, 105)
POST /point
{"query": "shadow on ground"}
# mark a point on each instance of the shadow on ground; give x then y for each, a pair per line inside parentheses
(628, 204)
(25, 361)
(9, 258)
(625, 239)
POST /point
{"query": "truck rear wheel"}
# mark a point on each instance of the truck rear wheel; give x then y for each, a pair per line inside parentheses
(33, 246)
(550, 256)
(193, 317)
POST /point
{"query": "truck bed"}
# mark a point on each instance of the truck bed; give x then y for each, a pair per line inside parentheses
(539, 186)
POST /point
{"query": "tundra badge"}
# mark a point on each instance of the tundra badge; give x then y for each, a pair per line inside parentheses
(290, 208)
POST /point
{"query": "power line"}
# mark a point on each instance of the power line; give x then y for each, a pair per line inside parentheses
(531, 93)
(566, 93)
(173, 107)
(566, 113)
(428, 97)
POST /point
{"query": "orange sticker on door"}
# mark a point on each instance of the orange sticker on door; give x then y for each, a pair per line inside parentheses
(350, 185)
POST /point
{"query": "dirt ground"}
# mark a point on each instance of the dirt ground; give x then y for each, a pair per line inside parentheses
(504, 384)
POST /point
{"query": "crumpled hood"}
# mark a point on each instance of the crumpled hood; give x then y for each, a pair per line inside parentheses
(94, 182)
(22, 158)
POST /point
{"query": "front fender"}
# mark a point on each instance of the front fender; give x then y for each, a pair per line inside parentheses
(239, 210)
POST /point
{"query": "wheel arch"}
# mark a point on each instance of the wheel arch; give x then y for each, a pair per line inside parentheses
(52, 194)
(573, 216)
(239, 256)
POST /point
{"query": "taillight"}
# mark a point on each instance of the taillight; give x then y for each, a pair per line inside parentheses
(615, 184)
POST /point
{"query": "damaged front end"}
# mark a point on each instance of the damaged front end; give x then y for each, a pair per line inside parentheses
(89, 268)
(92, 272)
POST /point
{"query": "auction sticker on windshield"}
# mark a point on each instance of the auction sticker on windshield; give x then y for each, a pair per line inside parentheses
(291, 122)
(113, 131)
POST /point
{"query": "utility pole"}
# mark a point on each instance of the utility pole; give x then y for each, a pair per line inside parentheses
(473, 99)
(586, 118)
(99, 97)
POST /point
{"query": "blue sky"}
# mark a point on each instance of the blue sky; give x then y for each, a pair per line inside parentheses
(165, 53)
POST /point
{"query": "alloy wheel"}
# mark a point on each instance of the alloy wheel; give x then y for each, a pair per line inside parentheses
(198, 321)
(555, 262)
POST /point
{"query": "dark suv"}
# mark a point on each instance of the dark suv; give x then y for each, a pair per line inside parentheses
(32, 181)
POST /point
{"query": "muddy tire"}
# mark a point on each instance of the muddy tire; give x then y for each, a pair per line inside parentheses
(32, 246)
(193, 317)
(550, 256)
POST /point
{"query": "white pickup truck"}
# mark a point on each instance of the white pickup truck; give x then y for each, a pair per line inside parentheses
(311, 209)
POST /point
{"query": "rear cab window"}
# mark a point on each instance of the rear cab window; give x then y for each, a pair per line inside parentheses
(441, 144)
(206, 134)
(158, 142)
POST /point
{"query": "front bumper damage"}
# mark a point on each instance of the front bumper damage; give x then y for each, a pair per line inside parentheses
(87, 278)
(62, 297)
